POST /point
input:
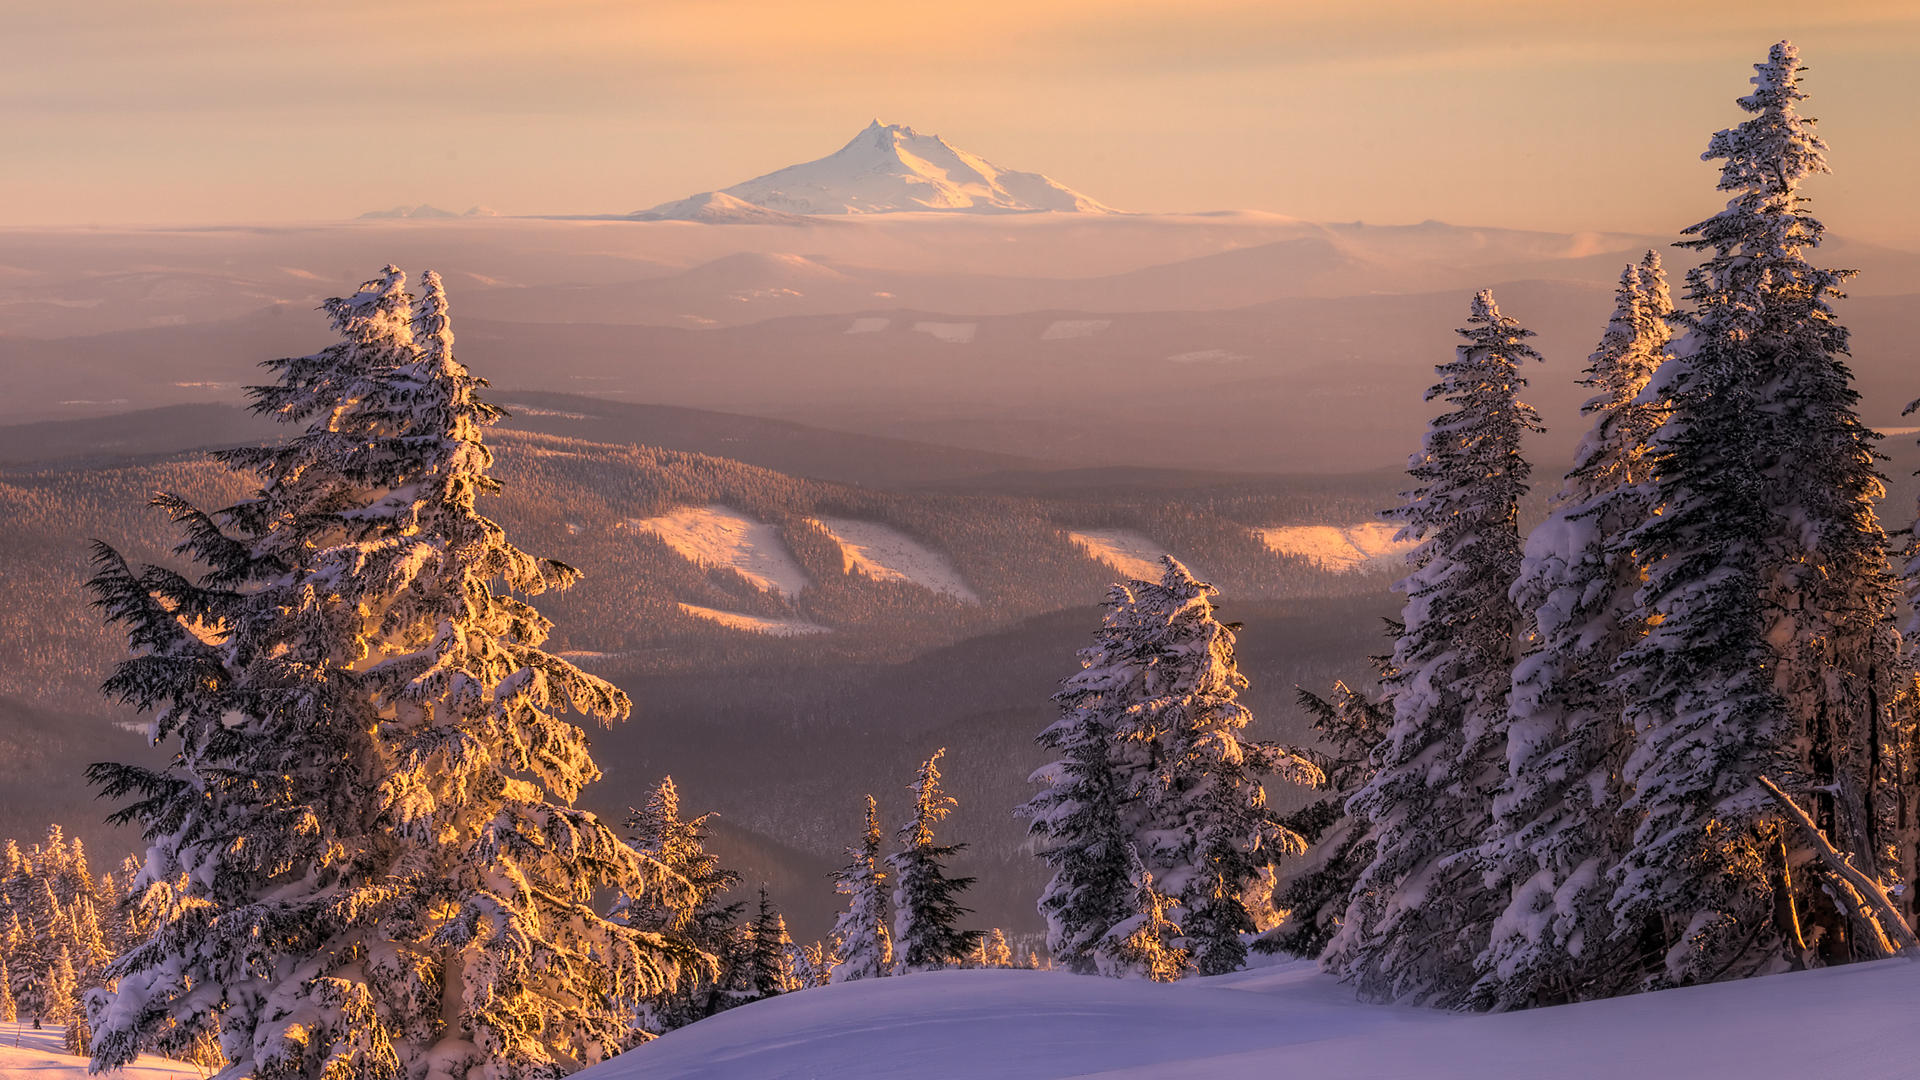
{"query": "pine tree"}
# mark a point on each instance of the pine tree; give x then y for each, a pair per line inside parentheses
(770, 962)
(926, 901)
(368, 807)
(864, 944)
(682, 902)
(1142, 945)
(1316, 889)
(60, 1000)
(1210, 834)
(1081, 818)
(1772, 650)
(78, 1038)
(1560, 824)
(9, 1009)
(1420, 914)
(999, 954)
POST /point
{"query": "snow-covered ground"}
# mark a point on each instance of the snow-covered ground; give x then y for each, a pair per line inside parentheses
(1290, 1021)
(1342, 549)
(26, 1054)
(887, 554)
(721, 536)
(953, 333)
(1062, 329)
(755, 624)
(1126, 551)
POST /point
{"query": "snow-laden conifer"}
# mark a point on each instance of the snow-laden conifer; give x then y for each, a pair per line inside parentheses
(1143, 945)
(926, 900)
(1082, 819)
(865, 944)
(1771, 650)
(1560, 826)
(683, 903)
(1314, 891)
(1209, 834)
(769, 955)
(367, 814)
(1419, 914)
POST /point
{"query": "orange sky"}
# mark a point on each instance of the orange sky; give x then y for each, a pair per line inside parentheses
(1541, 114)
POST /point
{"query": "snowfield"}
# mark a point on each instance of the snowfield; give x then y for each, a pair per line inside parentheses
(887, 554)
(26, 1054)
(1369, 546)
(953, 333)
(1126, 551)
(1064, 329)
(755, 624)
(1291, 1021)
(721, 536)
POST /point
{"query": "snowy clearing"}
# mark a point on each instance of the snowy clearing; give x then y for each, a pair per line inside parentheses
(1126, 551)
(1290, 1021)
(721, 536)
(26, 1054)
(755, 624)
(1342, 549)
(887, 554)
(1206, 356)
(1062, 329)
(868, 326)
(955, 333)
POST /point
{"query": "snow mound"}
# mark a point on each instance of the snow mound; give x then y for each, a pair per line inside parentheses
(1062, 329)
(868, 325)
(724, 537)
(1368, 546)
(717, 208)
(1126, 551)
(755, 624)
(886, 554)
(26, 1054)
(1206, 356)
(1290, 1021)
(891, 167)
(957, 333)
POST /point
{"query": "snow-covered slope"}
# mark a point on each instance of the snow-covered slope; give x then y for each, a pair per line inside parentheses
(1126, 551)
(885, 169)
(754, 624)
(1369, 545)
(887, 554)
(1291, 1021)
(718, 208)
(722, 536)
(26, 1054)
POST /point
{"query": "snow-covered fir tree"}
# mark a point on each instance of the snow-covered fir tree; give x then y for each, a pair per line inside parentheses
(769, 952)
(1771, 651)
(684, 903)
(1082, 817)
(1315, 890)
(9, 1009)
(926, 899)
(865, 945)
(1143, 945)
(367, 809)
(1209, 835)
(1560, 824)
(999, 954)
(1419, 913)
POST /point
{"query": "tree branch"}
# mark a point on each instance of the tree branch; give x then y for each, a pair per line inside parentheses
(1871, 904)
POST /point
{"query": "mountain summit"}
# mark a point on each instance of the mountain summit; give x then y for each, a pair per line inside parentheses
(889, 168)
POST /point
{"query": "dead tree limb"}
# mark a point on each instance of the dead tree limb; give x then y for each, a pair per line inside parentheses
(1870, 903)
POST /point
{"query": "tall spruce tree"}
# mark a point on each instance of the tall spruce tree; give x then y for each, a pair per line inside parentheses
(367, 811)
(1560, 826)
(769, 952)
(1209, 834)
(926, 901)
(1420, 914)
(865, 945)
(1083, 819)
(683, 903)
(1771, 651)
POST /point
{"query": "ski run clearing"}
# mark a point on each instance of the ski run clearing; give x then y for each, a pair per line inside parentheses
(886, 554)
(720, 536)
(1369, 546)
(1128, 552)
(26, 1054)
(1290, 1020)
(755, 624)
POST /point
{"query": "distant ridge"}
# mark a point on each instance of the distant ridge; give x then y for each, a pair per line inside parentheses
(887, 168)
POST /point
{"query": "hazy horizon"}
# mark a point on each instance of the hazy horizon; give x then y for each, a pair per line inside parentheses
(1498, 114)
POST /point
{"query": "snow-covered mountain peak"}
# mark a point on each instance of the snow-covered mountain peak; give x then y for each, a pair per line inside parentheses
(888, 168)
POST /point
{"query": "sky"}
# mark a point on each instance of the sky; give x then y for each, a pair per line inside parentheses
(1526, 113)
